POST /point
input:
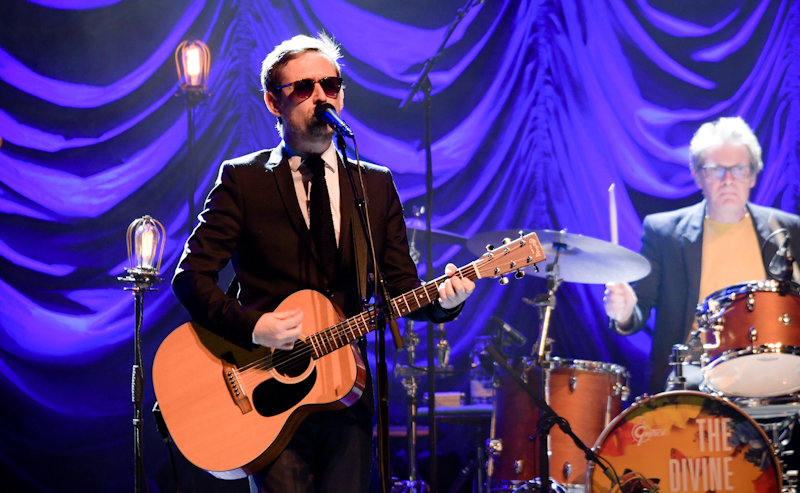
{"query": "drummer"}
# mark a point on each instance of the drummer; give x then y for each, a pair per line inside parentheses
(703, 248)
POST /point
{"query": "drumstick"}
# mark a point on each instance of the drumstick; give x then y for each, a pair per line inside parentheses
(612, 210)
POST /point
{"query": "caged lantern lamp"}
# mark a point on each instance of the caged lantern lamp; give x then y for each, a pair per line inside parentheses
(145, 239)
(192, 61)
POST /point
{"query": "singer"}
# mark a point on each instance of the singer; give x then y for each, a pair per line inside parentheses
(286, 219)
(700, 249)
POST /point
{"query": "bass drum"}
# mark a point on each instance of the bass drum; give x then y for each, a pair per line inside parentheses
(689, 442)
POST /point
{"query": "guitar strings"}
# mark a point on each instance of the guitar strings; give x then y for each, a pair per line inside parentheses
(329, 332)
(336, 331)
(336, 334)
(352, 323)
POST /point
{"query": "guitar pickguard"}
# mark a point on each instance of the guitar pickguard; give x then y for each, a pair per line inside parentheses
(290, 394)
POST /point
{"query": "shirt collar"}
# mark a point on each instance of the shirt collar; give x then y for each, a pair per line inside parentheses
(296, 158)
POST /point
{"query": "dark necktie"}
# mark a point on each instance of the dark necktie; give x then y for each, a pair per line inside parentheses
(320, 216)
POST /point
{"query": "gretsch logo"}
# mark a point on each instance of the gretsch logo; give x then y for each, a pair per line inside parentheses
(642, 433)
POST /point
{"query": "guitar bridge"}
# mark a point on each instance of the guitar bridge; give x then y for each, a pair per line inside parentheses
(235, 388)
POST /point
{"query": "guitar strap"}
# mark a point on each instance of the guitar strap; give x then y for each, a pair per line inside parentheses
(360, 249)
(359, 241)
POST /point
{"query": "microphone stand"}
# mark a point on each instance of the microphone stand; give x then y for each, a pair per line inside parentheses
(143, 280)
(383, 313)
(423, 84)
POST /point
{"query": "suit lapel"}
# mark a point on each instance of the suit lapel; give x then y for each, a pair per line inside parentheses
(352, 246)
(761, 223)
(692, 240)
(279, 163)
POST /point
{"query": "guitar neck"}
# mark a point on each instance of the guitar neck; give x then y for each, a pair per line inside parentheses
(343, 333)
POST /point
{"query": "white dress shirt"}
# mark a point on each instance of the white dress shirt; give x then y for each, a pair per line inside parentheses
(302, 176)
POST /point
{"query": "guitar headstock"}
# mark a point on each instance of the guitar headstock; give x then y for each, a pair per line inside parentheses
(513, 255)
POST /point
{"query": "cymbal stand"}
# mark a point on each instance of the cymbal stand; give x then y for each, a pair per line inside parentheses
(546, 303)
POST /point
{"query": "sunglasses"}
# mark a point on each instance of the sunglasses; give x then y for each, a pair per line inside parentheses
(303, 88)
(714, 172)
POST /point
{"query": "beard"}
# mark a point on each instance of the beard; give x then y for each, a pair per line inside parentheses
(309, 130)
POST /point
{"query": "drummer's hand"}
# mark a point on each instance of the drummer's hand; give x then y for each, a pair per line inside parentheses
(619, 301)
(455, 289)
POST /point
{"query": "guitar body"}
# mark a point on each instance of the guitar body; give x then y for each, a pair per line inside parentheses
(232, 411)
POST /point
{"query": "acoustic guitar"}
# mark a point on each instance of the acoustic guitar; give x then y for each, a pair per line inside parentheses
(232, 411)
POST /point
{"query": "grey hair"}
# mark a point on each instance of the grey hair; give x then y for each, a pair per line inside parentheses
(726, 130)
(292, 48)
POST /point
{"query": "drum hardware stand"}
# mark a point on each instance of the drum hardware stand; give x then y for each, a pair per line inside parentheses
(781, 267)
(410, 382)
(549, 419)
(779, 427)
(546, 303)
(442, 349)
(410, 374)
(681, 354)
(785, 284)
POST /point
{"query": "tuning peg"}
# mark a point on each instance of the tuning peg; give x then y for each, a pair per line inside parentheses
(503, 281)
(489, 248)
(519, 274)
(506, 241)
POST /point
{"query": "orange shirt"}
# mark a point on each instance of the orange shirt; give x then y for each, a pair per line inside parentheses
(731, 255)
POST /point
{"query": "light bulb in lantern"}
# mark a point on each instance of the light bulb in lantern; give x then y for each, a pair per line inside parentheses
(192, 65)
(192, 60)
(145, 242)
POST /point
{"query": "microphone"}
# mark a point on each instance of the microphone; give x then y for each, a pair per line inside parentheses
(779, 262)
(516, 336)
(325, 112)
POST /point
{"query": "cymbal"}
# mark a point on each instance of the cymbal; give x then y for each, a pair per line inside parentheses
(415, 225)
(582, 259)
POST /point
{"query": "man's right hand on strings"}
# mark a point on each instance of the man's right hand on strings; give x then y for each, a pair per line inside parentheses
(279, 330)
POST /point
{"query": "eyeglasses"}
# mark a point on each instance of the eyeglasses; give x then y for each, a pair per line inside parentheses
(715, 172)
(303, 88)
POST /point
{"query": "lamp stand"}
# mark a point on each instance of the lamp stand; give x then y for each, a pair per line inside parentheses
(192, 97)
(142, 281)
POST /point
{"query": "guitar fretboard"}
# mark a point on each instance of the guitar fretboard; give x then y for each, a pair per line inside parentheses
(343, 333)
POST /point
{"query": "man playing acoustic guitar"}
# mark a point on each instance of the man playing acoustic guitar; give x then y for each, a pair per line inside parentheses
(286, 220)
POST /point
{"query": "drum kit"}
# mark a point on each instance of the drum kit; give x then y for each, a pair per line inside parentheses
(732, 435)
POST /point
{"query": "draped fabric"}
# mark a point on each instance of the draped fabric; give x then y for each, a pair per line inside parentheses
(537, 108)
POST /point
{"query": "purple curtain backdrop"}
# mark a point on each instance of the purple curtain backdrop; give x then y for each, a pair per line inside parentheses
(538, 107)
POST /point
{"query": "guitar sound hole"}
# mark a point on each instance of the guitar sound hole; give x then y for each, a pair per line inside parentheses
(292, 363)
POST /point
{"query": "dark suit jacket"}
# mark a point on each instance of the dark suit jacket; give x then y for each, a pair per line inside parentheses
(673, 243)
(252, 218)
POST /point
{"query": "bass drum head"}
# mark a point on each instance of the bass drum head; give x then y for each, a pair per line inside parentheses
(686, 441)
